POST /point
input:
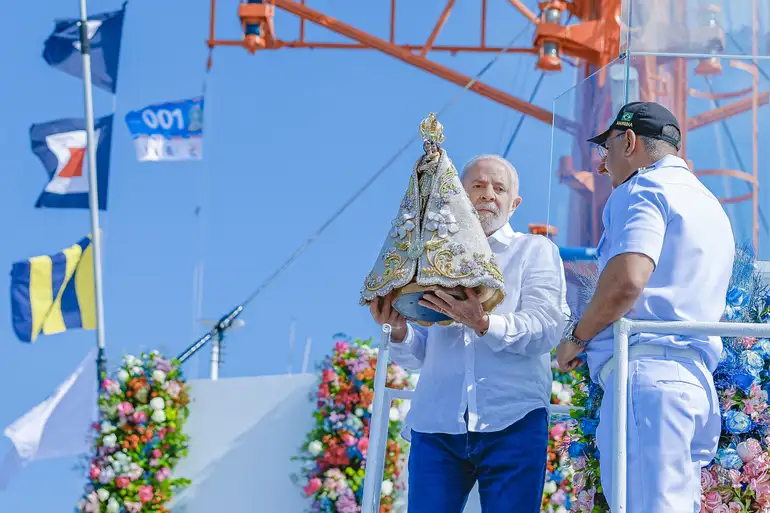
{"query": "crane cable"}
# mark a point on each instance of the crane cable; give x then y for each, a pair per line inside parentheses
(521, 118)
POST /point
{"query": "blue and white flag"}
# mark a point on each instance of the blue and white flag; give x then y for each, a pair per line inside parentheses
(168, 131)
(104, 31)
(61, 147)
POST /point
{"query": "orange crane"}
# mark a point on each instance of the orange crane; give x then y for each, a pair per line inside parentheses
(592, 32)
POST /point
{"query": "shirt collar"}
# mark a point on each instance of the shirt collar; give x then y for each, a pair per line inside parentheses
(503, 235)
(669, 161)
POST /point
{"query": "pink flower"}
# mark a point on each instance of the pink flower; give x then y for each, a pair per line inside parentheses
(133, 507)
(580, 463)
(748, 342)
(145, 494)
(341, 347)
(712, 499)
(122, 482)
(760, 486)
(349, 440)
(735, 507)
(578, 482)
(363, 445)
(557, 431)
(312, 486)
(749, 449)
(722, 508)
(139, 417)
(735, 477)
(94, 472)
(163, 474)
(125, 409)
(707, 481)
(156, 453)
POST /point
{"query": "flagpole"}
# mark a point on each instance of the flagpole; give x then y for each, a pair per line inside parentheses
(93, 190)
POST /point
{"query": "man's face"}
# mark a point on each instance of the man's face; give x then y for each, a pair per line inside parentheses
(493, 195)
(615, 160)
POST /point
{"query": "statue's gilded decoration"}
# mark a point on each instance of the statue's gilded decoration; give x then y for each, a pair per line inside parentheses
(436, 240)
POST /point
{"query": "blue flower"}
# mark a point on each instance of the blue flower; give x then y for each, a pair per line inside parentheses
(588, 426)
(737, 422)
(737, 296)
(752, 359)
(728, 359)
(729, 458)
(762, 347)
(576, 450)
(743, 379)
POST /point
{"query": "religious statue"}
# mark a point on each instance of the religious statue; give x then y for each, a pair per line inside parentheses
(436, 241)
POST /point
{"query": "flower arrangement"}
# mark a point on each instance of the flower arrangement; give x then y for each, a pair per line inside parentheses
(738, 480)
(139, 438)
(557, 493)
(335, 450)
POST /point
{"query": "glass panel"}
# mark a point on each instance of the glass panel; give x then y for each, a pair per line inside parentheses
(721, 106)
(697, 27)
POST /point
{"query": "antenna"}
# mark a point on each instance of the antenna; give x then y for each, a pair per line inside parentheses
(306, 356)
(291, 346)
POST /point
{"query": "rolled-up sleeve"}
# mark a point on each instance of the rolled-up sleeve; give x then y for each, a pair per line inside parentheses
(410, 353)
(536, 326)
(638, 224)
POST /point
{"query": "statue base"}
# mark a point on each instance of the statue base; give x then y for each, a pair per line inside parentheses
(407, 302)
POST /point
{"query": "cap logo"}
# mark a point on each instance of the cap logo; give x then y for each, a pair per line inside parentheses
(627, 116)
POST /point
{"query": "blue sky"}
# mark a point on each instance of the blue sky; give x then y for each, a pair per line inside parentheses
(289, 135)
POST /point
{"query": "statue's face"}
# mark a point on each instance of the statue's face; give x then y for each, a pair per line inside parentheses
(495, 197)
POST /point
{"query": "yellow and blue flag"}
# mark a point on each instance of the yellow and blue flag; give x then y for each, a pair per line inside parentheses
(54, 293)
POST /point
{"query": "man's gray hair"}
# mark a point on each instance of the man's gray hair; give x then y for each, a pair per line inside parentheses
(656, 148)
(512, 173)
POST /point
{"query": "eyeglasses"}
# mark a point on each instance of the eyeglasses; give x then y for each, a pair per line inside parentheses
(603, 147)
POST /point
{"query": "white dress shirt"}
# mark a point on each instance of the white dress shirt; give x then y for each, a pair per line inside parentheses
(666, 213)
(505, 374)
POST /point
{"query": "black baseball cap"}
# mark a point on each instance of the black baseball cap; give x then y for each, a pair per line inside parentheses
(644, 118)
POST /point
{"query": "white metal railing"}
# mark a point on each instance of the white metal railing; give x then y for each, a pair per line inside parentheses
(622, 329)
(378, 425)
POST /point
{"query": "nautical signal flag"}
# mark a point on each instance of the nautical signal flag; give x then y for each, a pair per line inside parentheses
(104, 31)
(53, 294)
(61, 147)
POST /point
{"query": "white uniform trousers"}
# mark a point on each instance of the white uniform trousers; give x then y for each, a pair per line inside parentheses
(673, 430)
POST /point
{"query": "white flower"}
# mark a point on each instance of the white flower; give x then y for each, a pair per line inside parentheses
(550, 488)
(121, 457)
(370, 408)
(158, 403)
(394, 415)
(131, 360)
(561, 509)
(402, 225)
(158, 416)
(158, 376)
(564, 396)
(413, 379)
(359, 412)
(103, 494)
(113, 506)
(556, 387)
(122, 375)
(387, 487)
(107, 428)
(442, 222)
(110, 441)
(136, 371)
(315, 447)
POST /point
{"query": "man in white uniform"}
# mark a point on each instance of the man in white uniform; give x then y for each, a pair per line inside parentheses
(666, 255)
(480, 411)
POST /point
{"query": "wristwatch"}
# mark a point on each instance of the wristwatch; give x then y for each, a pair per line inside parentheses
(570, 337)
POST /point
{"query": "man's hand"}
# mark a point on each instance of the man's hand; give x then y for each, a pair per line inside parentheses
(567, 356)
(389, 315)
(468, 312)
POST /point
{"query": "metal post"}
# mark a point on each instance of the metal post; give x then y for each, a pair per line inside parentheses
(376, 453)
(216, 345)
(93, 190)
(621, 330)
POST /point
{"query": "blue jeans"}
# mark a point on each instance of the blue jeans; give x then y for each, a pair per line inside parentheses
(509, 466)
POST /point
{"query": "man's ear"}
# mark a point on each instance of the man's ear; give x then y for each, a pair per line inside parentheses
(515, 204)
(630, 141)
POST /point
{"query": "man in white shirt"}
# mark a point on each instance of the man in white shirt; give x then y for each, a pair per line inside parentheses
(666, 255)
(480, 411)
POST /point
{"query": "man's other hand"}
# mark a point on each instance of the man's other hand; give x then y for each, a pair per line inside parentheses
(389, 315)
(567, 356)
(469, 312)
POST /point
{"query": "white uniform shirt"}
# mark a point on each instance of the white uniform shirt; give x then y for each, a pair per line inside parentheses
(666, 213)
(505, 374)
